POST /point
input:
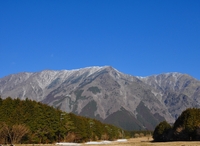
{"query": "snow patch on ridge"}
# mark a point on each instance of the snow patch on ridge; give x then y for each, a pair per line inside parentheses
(140, 77)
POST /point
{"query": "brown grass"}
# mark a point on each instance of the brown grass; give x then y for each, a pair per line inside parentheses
(144, 141)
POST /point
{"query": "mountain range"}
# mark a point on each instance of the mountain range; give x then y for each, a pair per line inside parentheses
(108, 95)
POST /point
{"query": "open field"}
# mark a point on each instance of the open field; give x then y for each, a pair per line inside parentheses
(130, 142)
(145, 142)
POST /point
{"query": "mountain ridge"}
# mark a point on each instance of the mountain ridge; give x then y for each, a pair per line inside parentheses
(107, 94)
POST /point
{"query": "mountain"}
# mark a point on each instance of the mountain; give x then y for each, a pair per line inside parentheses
(104, 93)
(177, 91)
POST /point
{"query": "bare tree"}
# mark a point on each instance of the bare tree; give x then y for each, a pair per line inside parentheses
(3, 133)
(18, 131)
(15, 132)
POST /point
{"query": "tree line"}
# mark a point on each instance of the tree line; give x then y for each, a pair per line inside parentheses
(185, 128)
(27, 121)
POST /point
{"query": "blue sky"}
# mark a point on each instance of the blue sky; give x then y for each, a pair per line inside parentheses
(137, 37)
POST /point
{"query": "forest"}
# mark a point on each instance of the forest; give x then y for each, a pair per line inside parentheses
(185, 128)
(27, 121)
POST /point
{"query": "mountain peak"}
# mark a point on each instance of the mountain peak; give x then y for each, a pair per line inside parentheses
(104, 93)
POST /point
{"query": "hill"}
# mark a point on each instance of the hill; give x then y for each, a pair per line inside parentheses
(26, 121)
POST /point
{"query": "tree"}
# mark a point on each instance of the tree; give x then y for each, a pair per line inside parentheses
(161, 131)
(27, 121)
(18, 131)
(14, 133)
(189, 122)
(3, 133)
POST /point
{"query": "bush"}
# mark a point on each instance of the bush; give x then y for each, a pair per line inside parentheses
(161, 132)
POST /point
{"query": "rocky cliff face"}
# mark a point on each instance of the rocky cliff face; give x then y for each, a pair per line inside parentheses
(106, 94)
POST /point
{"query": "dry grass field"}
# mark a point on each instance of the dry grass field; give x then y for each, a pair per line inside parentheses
(144, 141)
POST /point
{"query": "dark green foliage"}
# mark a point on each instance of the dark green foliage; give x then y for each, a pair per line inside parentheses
(91, 129)
(48, 125)
(186, 127)
(188, 122)
(161, 131)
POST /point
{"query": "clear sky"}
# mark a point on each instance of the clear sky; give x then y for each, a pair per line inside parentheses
(137, 37)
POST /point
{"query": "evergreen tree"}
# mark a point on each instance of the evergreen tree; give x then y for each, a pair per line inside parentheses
(46, 124)
(161, 131)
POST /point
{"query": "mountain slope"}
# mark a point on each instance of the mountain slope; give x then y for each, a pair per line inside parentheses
(106, 94)
(177, 91)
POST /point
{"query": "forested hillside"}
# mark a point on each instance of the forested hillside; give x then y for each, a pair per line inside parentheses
(27, 121)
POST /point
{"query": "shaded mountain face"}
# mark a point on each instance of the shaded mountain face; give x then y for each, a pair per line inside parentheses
(103, 93)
